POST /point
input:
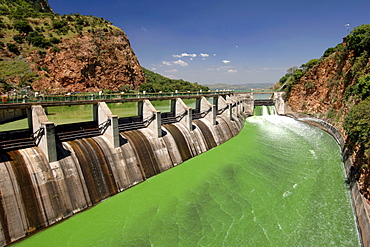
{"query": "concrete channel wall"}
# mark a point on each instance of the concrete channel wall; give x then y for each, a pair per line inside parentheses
(45, 184)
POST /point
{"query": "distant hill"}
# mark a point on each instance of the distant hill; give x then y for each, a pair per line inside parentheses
(221, 86)
(156, 83)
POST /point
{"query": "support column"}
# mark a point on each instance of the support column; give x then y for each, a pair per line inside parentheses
(215, 102)
(108, 123)
(151, 115)
(44, 132)
(279, 102)
(234, 107)
(29, 118)
(238, 107)
(248, 104)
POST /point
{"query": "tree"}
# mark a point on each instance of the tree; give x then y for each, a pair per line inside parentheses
(156, 82)
(359, 39)
(357, 124)
(329, 51)
(125, 88)
(23, 27)
(310, 64)
(361, 89)
(13, 48)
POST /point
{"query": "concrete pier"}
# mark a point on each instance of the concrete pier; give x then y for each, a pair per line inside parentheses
(182, 112)
(279, 102)
(226, 107)
(205, 107)
(151, 117)
(44, 133)
(107, 122)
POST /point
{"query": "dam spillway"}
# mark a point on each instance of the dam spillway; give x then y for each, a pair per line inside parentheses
(40, 185)
(279, 182)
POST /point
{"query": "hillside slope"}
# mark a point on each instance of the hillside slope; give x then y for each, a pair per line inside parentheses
(56, 54)
(157, 83)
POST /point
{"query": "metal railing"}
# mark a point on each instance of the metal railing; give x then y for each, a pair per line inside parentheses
(8, 99)
(34, 98)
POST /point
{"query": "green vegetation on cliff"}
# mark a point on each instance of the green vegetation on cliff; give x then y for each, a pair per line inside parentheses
(20, 9)
(157, 83)
(357, 124)
(294, 74)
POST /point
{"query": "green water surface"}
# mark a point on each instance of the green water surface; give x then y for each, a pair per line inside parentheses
(278, 183)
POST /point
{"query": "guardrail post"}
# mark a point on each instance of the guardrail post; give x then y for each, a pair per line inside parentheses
(47, 141)
(147, 111)
(108, 123)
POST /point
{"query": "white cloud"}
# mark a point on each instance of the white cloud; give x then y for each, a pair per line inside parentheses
(184, 54)
(143, 29)
(204, 55)
(171, 71)
(222, 68)
(180, 62)
(232, 71)
(166, 63)
(225, 61)
(154, 69)
(213, 69)
(214, 54)
(263, 69)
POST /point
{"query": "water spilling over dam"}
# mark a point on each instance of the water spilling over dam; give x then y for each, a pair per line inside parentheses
(41, 185)
(279, 182)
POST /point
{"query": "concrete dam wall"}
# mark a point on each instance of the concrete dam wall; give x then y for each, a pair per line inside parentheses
(42, 185)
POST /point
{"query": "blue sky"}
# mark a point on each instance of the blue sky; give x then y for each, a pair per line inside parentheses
(233, 41)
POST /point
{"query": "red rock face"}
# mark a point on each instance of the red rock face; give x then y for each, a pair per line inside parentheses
(88, 63)
(321, 91)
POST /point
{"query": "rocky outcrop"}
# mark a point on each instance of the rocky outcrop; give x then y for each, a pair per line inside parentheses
(320, 92)
(54, 53)
(88, 62)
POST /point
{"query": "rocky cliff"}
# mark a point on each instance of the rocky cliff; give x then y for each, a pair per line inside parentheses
(321, 90)
(336, 88)
(88, 62)
(56, 54)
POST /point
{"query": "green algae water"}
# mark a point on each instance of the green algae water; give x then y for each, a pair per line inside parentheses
(278, 183)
